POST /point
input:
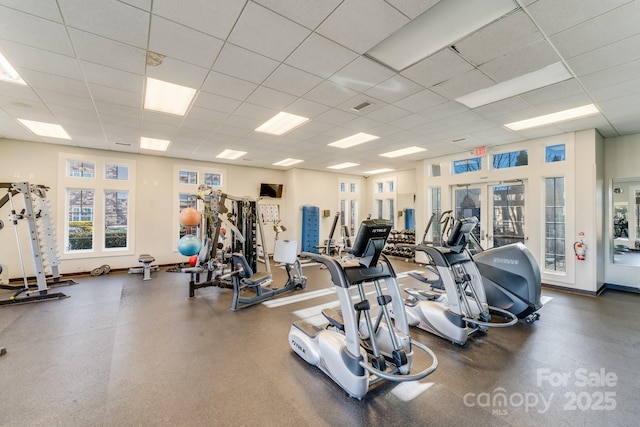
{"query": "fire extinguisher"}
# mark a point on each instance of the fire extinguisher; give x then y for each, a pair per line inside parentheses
(580, 249)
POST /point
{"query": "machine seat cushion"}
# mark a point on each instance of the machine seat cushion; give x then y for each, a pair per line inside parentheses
(146, 259)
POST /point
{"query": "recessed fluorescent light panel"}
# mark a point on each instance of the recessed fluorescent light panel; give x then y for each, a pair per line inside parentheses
(350, 141)
(440, 26)
(403, 152)
(8, 73)
(546, 76)
(281, 123)
(45, 129)
(288, 162)
(560, 116)
(154, 144)
(167, 97)
(373, 172)
(231, 154)
(343, 165)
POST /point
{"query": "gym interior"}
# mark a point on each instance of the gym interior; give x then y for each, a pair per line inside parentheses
(327, 275)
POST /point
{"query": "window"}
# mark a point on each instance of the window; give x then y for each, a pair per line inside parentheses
(349, 205)
(385, 199)
(98, 208)
(435, 170)
(554, 153)
(81, 169)
(511, 159)
(116, 219)
(380, 187)
(212, 180)
(436, 208)
(113, 171)
(467, 165)
(188, 177)
(79, 226)
(390, 186)
(508, 214)
(554, 247)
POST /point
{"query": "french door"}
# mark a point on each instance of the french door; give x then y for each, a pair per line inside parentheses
(499, 208)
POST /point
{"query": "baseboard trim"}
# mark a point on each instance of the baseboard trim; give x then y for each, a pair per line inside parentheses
(571, 290)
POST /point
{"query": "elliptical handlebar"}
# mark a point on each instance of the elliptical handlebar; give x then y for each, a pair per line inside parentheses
(403, 378)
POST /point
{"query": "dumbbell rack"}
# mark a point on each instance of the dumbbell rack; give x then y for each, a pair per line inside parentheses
(36, 213)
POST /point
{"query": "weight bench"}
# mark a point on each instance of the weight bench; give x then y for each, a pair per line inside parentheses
(146, 268)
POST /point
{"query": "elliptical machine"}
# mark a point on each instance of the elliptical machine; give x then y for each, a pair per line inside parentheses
(510, 273)
(352, 349)
(460, 308)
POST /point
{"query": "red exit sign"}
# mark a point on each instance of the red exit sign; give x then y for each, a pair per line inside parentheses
(481, 151)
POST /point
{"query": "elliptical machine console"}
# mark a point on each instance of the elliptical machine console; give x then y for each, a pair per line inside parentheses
(353, 349)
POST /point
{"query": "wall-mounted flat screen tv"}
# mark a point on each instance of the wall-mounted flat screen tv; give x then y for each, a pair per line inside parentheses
(271, 190)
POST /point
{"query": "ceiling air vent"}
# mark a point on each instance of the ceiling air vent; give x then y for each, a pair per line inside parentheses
(361, 106)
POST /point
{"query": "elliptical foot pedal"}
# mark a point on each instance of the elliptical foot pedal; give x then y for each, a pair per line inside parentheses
(309, 329)
(335, 318)
(421, 295)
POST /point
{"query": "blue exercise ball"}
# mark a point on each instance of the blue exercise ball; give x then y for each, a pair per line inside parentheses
(189, 245)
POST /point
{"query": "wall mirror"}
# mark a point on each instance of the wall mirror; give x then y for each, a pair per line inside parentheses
(625, 226)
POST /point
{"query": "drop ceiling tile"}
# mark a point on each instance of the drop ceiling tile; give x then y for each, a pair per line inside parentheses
(361, 24)
(111, 77)
(461, 119)
(62, 112)
(554, 92)
(192, 126)
(531, 58)
(362, 74)
(499, 107)
(140, 4)
(619, 90)
(122, 111)
(292, 80)
(206, 114)
(245, 123)
(183, 43)
(618, 53)
(615, 74)
(39, 80)
(255, 112)
(462, 84)
(441, 111)
(506, 35)
(129, 124)
(43, 9)
(270, 98)
(216, 102)
(553, 16)
(309, 13)
(261, 30)
(362, 124)
(387, 113)
(213, 17)
(412, 8)
(113, 20)
(320, 56)
(410, 121)
(63, 99)
(394, 89)
(113, 54)
(178, 72)
(437, 68)
(605, 29)
(115, 96)
(34, 31)
(306, 108)
(243, 64)
(231, 87)
(330, 94)
(21, 56)
(421, 101)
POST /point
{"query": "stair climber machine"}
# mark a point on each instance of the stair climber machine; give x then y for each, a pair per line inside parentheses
(355, 350)
(510, 274)
(460, 307)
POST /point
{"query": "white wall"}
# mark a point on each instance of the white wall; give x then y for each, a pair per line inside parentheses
(580, 163)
